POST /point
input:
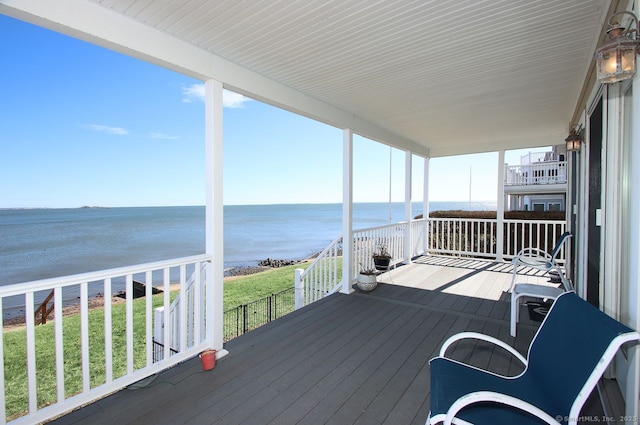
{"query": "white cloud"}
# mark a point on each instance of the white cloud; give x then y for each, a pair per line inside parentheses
(195, 92)
(162, 136)
(233, 100)
(118, 131)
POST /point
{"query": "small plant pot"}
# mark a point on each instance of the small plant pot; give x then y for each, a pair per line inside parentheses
(381, 263)
(367, 282)
(208, 358)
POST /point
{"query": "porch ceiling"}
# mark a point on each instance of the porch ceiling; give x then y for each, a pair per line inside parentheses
(429, 76)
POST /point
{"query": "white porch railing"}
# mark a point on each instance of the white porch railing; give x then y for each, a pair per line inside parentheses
(367, 241)
(541, 234)
(121, 354)
(550, 172)
(183, 328)
(475, 238)
(478, 237)
(322, 277)
(462, 237)
(419, 233)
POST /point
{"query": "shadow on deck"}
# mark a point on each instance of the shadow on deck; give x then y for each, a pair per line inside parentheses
(348, 359)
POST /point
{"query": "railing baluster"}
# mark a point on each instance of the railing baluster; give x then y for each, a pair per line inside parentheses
(184, 308)
(323, 277)
(493, 226)
(507, 232)
(167, 313)
(148, 307)
(84, 336)
(464, 227)
(108, 332)
(196, 302)
(59, 344)
(31, 352)
(535, 243)
(452, 236)
(129, 321)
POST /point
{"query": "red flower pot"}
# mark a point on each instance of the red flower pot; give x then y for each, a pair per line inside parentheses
(208, 358)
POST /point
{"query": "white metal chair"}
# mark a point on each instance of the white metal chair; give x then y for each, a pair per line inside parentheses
(570, 352)
(540, 260)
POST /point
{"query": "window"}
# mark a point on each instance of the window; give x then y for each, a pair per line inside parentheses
(538, 207)
(554, 207)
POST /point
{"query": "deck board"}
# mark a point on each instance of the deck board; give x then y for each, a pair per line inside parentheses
(347, 359)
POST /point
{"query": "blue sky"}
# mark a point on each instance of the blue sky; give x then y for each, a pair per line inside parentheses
(82, 125)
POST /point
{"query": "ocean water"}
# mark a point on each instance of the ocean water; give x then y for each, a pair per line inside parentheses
(44, 243)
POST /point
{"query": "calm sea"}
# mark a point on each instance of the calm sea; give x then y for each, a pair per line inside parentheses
(43, 243)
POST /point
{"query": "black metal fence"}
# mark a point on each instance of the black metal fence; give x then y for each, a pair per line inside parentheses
(158, 351)
(246, 317)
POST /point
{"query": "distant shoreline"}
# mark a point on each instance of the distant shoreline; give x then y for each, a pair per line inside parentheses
(472, 204)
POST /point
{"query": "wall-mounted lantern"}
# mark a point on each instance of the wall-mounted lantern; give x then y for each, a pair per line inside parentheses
(575, 139)
(616, 60)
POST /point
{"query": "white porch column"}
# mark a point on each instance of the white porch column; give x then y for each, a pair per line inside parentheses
(214, 215)
(408, 243)
(632, 393)
(500, 208)
(425, 203)
(347, 211)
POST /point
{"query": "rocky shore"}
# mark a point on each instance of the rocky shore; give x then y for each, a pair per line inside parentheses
(263, 265)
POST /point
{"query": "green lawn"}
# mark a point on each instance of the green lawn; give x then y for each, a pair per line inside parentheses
(15, 355)
(239, 290)
(244, 289)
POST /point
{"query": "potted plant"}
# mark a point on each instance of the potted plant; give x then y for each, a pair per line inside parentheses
(367, 279)
(381, 257)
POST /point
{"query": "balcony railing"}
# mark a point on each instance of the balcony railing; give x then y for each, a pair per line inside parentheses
(473, 238)
(322, 277)
(185, 321)
(367, 241)
(478, 238)
(77, 359)
(550, 172)
(463, 237)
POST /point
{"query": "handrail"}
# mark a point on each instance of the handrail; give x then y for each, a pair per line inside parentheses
(76, 279)
(43, 311)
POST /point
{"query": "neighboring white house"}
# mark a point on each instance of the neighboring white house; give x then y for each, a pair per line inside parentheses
(538, 183)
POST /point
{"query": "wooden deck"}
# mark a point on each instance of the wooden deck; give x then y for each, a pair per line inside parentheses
(348, 359)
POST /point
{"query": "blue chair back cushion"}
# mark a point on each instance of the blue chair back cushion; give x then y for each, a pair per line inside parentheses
(569, 345)
(556, 249)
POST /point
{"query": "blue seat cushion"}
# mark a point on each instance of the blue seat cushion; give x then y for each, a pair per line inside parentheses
(451, 380)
